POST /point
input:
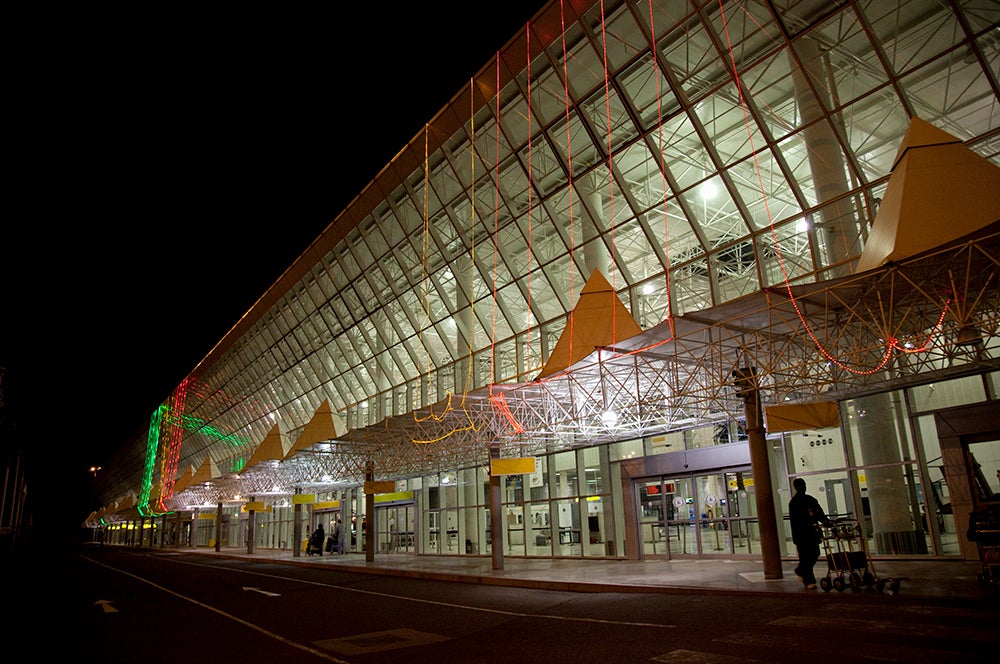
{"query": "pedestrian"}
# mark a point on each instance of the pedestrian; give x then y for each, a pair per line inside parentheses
(341, 537)
(804, 513)
(331, 542)
(316, 541)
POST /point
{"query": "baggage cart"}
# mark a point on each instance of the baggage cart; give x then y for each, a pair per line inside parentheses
(984, 530)
(849, 564)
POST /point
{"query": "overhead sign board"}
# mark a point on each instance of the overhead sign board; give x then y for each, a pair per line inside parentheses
(380, 487)
(513, 466)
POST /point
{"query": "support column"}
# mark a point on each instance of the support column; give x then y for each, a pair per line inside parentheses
(297, 529)
(218, 527)
(251, 528)
(595, 254)
(369, 532)
(496, 517)
(465, 377)
(177, 531)
(837, 226)
(745, 381)
(895, 528)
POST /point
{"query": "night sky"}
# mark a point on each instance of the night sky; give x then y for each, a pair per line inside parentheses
(167, 168)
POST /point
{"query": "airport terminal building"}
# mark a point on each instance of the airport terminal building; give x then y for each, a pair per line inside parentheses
(657, 260)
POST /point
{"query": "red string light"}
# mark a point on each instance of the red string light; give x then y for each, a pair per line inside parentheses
(663, 172)
(569, 169)
(891, 342)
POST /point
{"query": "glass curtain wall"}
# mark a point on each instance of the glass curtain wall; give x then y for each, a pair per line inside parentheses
(664, 163)
(693, 152)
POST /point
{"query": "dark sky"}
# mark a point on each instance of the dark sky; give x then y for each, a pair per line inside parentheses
(166, 168)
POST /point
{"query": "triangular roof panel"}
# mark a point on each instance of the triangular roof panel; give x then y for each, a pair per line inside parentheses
(184, 481)
(939, 191)
(322, 426)
(206, 472)
(599, 319)
(273, 448)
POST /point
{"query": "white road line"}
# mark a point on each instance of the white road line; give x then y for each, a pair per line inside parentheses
(276, 637)
(514, 614)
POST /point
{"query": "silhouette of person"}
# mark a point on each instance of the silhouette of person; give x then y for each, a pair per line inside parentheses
(804, 513)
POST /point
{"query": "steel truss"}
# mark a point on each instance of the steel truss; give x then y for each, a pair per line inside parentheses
(921, 320)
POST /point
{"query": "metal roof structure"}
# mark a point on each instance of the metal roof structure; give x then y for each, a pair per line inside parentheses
(723, 175)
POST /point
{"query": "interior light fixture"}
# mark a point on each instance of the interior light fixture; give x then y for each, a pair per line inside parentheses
(609, 418)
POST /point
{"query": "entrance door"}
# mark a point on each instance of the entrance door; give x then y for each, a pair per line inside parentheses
(395, 528)
(697, 515)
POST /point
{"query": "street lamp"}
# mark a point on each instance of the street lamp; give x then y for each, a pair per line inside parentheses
(94, 469)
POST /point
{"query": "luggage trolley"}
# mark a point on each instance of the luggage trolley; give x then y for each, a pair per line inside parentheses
(984, 530)
(848, 562)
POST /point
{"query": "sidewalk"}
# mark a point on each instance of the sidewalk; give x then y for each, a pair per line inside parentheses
(925, 578)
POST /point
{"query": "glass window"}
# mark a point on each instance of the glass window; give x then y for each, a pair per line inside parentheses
(564, 481)
(626, 449)
(956, 392)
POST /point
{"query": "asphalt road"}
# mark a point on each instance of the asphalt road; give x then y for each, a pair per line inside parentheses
(115, 605)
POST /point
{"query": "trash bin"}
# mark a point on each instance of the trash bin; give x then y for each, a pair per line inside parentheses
(468, 546)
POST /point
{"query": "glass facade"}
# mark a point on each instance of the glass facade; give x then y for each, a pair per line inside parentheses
(692, 153)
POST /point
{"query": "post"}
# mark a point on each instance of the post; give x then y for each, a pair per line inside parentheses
(745, 380)
(369, 512)
(251, 528)
(297, 529)
(496, 519)
(218, 527)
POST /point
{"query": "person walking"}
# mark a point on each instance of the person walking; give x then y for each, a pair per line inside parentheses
(341, 537)
(331, 541)
(804, 513)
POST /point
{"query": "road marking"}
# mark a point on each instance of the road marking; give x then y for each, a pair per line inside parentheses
(262, 592)
(276, 637)
(515, 614)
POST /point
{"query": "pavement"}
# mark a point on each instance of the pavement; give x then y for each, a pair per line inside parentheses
(919, 578)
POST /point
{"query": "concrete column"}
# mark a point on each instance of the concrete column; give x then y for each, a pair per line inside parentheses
(218, 527)
(469, 528)
(296, 529)
(251, 529)
(369, 512)
(888, 494)
(496, 513)
(745, 381)
(465, 378)
(595, 254)
(838, 228)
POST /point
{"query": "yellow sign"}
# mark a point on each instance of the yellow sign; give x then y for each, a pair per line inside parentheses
(513, 466)
(303, 499)
(380, 487)
(390, 497)
(207, 515)
(257, 506)
(327, 505)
